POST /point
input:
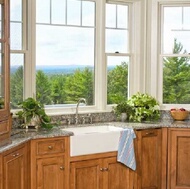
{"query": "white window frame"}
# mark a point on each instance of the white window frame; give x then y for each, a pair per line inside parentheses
(154, 63)
(137, 56)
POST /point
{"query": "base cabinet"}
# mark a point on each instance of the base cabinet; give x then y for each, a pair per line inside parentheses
(148, 147)
(49, 163)
(101, 173)
(178, 158)
(15, 168)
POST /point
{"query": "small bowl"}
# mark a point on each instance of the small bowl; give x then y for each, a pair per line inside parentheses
(179, 115)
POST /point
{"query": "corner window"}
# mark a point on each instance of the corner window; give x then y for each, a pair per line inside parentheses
(175, 54)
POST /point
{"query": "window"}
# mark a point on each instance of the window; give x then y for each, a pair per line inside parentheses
(117, 51)
(17, 57)
(175, 53)
(65, 51)
(57, 52)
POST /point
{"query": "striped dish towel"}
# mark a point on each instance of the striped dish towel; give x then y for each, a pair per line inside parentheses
(126, 154)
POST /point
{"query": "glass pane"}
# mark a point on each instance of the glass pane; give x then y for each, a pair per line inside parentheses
(43, 11)
(73, 12)
(122, 17)
(176, 80)
(117, 76)
(16, 79)
(173, 17)
(110, 15)
(174, 30)
(88, 13)
(186, 16)
(117, 41)
(16, 10)
(65, 64)
(16, 36)
(58, 11)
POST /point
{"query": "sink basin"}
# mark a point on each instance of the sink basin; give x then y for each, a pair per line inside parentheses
(93, 139)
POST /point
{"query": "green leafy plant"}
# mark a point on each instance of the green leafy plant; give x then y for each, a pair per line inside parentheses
(144, 108)
(34, 110)
(122, 107)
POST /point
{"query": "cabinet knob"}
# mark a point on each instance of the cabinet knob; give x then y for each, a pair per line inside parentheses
(61, 168)
(105, 169)
(101, 169)
(50, 147)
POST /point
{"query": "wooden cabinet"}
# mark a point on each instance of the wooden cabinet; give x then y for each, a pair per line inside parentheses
(148, 147)
(100, 173)
(178, 158)
(5, 117)
(49, 163)
(15, 168)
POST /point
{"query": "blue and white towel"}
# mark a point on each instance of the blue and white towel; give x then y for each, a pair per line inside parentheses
(126, 154)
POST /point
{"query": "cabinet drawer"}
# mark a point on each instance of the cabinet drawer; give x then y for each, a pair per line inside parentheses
(50, 147)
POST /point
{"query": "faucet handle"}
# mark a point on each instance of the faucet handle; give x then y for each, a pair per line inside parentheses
(83, 119)
(90, 118)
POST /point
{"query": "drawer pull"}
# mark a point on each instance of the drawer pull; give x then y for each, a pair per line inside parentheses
(150, 133)
(61, 168)
(104, 169)
(50, 147)
(15, 155)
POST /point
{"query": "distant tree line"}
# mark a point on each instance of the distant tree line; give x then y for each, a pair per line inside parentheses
(68, 88)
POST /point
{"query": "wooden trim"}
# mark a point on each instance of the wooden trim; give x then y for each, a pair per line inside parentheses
(93, 156)
(164, 158)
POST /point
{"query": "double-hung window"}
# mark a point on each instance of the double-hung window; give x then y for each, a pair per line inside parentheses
(117, 51)
(175, 53)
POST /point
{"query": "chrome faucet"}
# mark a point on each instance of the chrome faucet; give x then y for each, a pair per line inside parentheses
(76, 115)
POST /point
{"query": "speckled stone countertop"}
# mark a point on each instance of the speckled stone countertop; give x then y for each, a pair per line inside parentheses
(19, 136)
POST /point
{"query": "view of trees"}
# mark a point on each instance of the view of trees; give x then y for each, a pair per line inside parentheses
(176, 77)
(68, 88)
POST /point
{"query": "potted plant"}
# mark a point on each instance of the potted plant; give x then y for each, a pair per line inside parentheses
(122, 110)
(33, 114)
(144, 108)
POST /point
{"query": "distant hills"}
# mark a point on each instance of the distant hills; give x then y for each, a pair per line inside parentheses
(58, 69)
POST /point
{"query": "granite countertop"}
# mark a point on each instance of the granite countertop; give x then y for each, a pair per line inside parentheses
(19, 136)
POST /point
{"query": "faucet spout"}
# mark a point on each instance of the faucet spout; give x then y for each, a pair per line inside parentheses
(76, 115)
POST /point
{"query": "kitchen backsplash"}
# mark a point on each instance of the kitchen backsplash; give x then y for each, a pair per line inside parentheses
(88, 118)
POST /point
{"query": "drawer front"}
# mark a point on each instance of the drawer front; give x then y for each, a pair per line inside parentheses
(50, 147)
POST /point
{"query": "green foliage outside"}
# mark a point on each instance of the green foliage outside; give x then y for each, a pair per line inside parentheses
(176, 77)
(68, 88)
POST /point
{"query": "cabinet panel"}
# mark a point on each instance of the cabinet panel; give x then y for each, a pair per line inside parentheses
(15, 169)
(116, 175)
(50, 173)
(86, 174)
(179, 155)
(149, 160)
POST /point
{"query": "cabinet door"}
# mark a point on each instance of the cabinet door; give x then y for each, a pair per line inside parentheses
(149, 160)
(15, 170)
(86, 175)
(50, 173)
(116, 175)
(178, 159)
